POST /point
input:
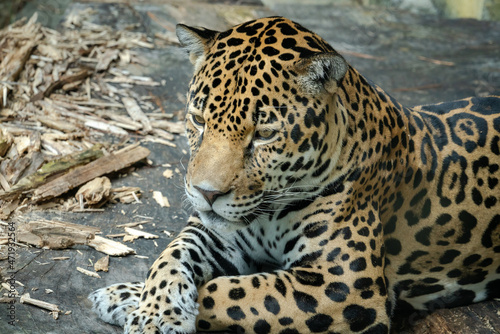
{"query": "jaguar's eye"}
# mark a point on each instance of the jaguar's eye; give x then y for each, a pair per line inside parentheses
(198, 120)
(265, 134)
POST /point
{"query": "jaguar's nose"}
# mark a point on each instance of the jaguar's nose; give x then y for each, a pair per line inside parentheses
(210, 195)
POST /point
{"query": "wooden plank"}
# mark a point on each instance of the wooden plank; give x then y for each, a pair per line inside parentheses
(104, 165)
(51, 169)
(55, 234)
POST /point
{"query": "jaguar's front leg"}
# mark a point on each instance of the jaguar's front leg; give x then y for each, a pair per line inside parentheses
(332, 281)
(168, 300)
(300, 300)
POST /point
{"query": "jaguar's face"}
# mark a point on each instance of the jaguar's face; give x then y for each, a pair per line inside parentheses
(259, 138)
(242, 152)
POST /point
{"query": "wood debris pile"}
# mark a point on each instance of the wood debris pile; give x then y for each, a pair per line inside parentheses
(63, 92)
(69, 110)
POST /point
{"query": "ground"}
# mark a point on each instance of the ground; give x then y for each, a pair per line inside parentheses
(417, 59)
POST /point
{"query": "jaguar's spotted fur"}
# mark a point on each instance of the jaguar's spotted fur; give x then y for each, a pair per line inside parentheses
(355, 204)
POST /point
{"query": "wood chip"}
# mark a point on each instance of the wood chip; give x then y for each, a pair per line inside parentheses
(141, 257)
(110, 247)
(127, 80)
(67, 79)
(136, 113)
(106, 59)
(54, 314)
(106, 127)
(123, 122)
(7, 208)
(6, 300)
(58, 124)
(5, 142)
(23, 144)
(26, 299)
(159, 141)
(12, 65)
(126, 194)
(95, 192)
(88, 272)
(7, 287)
(160, 199)
(164, 134)
(140, 234)
(102, 264)
(168, 173)
(173, 127)
(117, 235)
(134, 224)
(4, 183)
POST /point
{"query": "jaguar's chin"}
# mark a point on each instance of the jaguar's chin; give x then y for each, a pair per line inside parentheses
(213, 220)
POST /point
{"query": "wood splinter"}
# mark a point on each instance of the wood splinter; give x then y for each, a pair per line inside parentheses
(26, 299)
(88, 272)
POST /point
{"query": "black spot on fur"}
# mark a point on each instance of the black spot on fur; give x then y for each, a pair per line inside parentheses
(319, 323)
(358, 264)
(468, 223)
(487, 238)
(202, 324)
(448, 256)
(423, 236)
(279, 285)
(308, 278)
(262, 327)
(285, 321)
(234, 41)
(237, 293)
(272, 305)
(305, 302)
(337, 291)
(236, 313)
(314, 230)
(359, 317)
(208, 302)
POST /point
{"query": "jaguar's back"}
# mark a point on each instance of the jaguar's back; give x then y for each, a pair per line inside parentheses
(442, 231)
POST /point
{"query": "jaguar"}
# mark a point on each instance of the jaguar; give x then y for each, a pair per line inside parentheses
(321, 204)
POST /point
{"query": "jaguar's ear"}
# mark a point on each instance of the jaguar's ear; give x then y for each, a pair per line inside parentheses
(322, 71)
(196, 41)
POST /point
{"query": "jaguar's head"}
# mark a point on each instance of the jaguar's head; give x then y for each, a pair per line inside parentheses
(263, 121)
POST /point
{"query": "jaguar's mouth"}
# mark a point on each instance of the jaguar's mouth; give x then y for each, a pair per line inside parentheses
(214, 216)
(213, 220)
